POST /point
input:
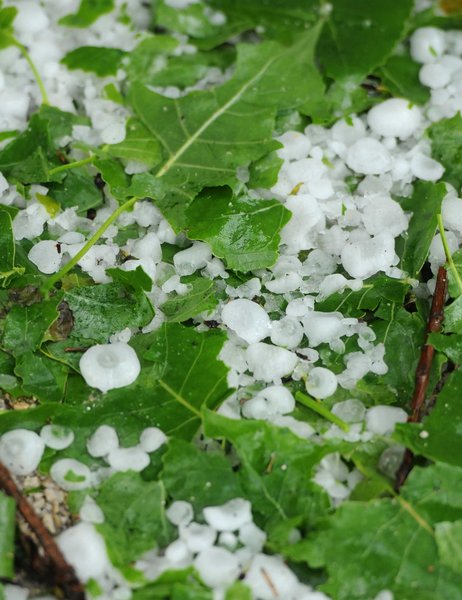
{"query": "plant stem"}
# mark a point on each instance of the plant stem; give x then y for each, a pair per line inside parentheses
(447, 252)
(34, 70)
(45, 289)
(72, 165)
(319, 408)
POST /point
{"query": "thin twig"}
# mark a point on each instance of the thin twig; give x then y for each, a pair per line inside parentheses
(422, 376)
(63, 574)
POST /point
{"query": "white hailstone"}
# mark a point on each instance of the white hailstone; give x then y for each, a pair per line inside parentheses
(300, 306)
(268, 578)
(273, 400)
(31, 18)
(363, 258)
(15, 104)
(295, 145)
(180, 513)
(217, 567)
(287, 282)
(288, 332)
(382, 419)
(193, 258)
(46, 256)
(229, 516)
(305, 170)
(348, 131)
(233, 356)
(306, 220)
(178, 553)
(434, 75)
(21, 451)
(249, 289)
(90, 512)
(126, 459)
(228, 540)
(426, 168)
(113, 133)
(436, 251)
(110, 366)
(103, 441)
(332, 284)
(84, 548)
(350, 411)
(146, 247)
(152, 438)
(384, 595)
(57, 437)
(451, 210)
(334, 464)
(321, 189)
(270, 363)
(4, 185)
(382, 213)
(70, 474)
(28, 223)
(427, 44)
(15, 592)
(321, 383)
(395, 117)
(368, 157)
(246, 318)
(335, 489)
(197, 537)
(323, 327)
(97, 260)
(299, 428)
(252, 536)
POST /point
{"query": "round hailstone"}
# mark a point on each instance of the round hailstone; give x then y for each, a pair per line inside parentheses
(198, 537)
(110, 366)
(350, 411)
(193, 258)
(396, 117)
(451, 210)
(15, 592)
(46, 256)
(382, 213)
(230, 516)
(382, 419)
(30, 19)
(21, 451)
(126, 459)
(252, 536)
(348, 131)
(152, 438)
(246, 318)
(426, 168)
(217, 567)
(178, 553)
(306, 220)
(113, 133)
(268, 578)
(363, 258)
(427, 44)
(296, 145)
(180, 513)
(57, 437)
(70, 474)
(323, 327)
(90, 511)
(368, 157)
(272, 401)
(434, 75)
(84, 549)
(103, 441)
(270, 363)
(321, 383)
(288, 332)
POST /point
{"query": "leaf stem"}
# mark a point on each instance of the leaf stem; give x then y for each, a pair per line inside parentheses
(33, 68)
(72, 165)
(45, 289)
(319, 408)
(447, 252)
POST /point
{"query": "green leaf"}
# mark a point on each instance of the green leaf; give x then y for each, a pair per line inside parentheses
(276, 468)
(425, 204)
(242, 230)
(8, 269)
(137, 279)
(7, 530)
(138, 145)
(446, 136)
(115, 177)
(77, 189)
(101, 310)
(453, 316)
(94, 59)
(205, 135)
(449, 541)
(400, 75)
(451, 345)
(359, 37)
(264, 172)
(389, 544)
(7, 16)
(134, 516)
(201, 297)
(199, 478)
(26, 326)
(88, 12)
(441, 431)
(42, 377)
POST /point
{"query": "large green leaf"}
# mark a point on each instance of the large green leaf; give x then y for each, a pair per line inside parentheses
(446, 136)
(205, 135)
(241, 230)
(386, 544)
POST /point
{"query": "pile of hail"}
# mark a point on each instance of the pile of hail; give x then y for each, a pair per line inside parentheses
(289, 347)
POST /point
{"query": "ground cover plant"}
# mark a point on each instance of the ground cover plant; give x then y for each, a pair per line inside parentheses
(230, 299)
